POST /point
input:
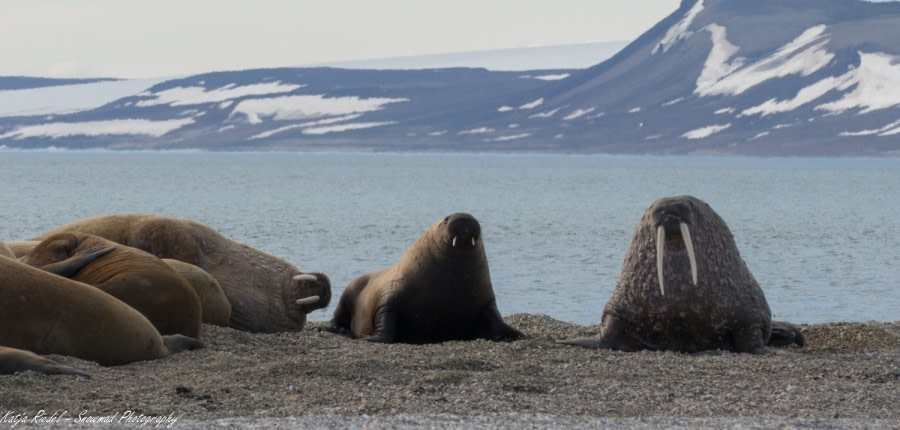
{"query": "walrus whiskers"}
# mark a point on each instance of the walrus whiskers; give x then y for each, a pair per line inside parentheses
(660, 255)
(305, 277)
(307, 300)
(686, 234)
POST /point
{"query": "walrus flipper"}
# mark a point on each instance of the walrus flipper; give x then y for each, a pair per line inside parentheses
(14, 360)
(749, 340)
(76, 262)
(785, 334)
(492, 327)
(177, 343)
(342, 322)
(384, 325)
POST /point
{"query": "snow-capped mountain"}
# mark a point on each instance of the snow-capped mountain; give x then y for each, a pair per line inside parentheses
(769, 77)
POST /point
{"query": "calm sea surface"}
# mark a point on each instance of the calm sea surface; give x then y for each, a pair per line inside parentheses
(820, 235)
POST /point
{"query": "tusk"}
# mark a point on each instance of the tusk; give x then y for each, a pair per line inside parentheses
(305, 277)
(473, 241)
(454, 241)
(686, 234)
(308, 300)
(660, 255)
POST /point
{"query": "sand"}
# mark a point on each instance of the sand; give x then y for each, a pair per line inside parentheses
(847, 376)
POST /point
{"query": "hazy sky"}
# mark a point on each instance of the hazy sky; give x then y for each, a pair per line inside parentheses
(144, 38)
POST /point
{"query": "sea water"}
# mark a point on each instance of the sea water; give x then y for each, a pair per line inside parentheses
(821, 236)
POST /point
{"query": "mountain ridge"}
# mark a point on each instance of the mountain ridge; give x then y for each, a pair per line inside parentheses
(716, 77)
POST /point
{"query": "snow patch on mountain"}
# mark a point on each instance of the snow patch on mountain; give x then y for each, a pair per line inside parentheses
(346, 127)
(270, 133)
(578, 113)
(876, 82)
(184, 96)
(533, 104)
(64, 99)
(680, 30)
(99, 128)
(703, 132)
(307, 106)
(721, 76)
(888, 130)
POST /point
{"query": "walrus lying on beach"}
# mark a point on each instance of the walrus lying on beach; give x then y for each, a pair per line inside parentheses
(684, 287)
(440, 290)
(216, 308)
(43, 313)
(267, 294)
(21, 247)
(135, 277)
(6, 251)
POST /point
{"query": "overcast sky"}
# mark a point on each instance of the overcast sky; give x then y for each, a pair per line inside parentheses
(158, 38)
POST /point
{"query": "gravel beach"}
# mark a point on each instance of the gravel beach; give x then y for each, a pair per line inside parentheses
(847, 376)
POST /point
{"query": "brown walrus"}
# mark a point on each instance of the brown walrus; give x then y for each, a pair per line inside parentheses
(216, 309)
(135, 277)
(267, 294)
(440, 290)
(43, 313)
(684, 287)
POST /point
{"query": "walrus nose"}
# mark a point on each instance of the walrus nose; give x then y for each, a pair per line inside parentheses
(319, 285)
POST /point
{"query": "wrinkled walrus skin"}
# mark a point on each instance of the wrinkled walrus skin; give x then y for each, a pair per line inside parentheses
(263, 289)
(135, 277)
(43, 313)
(714, 303)
(439, 291)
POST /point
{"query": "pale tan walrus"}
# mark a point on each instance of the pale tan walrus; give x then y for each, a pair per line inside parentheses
(267, 294)
(42, 313)
(135, 277)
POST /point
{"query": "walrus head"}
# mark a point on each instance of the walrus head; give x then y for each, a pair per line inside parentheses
(673, 218)
(461, 231)
(54, 249)
(316, 287)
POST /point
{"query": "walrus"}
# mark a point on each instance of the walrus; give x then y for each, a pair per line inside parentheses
(13, 360)
(684, 287)
(43, 313)
(440, 290)
(6, 251)
(21, 247)
(216, 309)
(135, 277)
(267, 294)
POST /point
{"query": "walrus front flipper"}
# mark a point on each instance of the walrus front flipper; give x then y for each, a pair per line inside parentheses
(593, 342)
(385, 326)
(492, 326)
(76, 262)
(609, 338)
(14, 360)
(785, 334)
(177, 343)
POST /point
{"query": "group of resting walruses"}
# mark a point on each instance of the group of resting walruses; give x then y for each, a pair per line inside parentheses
(117, 289)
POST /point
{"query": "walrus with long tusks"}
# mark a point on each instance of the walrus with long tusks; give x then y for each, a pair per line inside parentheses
(267, 294)
(439, 291)
(43, 313)
(684, 287)
(135, 277)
